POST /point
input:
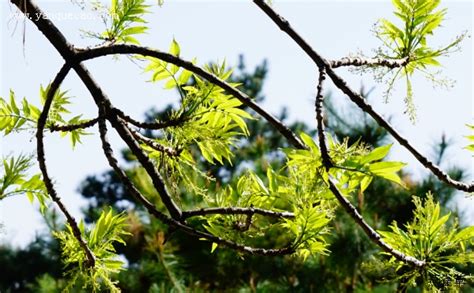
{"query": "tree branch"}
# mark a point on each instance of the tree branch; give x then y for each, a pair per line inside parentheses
(149, 125)
(359, 100)
(359, 61)
(236, 211)
(155, 145)
(346, 204)
(86, 54)
(44, 170)
(320, 121)
(72, 127)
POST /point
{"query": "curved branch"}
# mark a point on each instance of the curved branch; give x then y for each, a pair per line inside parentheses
(86, 54)
(359, 100)
(236, 211)
(345, 203)
(44, 170)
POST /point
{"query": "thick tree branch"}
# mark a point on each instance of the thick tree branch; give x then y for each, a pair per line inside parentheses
(44, 170)
(359, 100)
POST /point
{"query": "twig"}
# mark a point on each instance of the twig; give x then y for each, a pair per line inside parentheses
(149, 125)
(42, 164)
(155, 145)
(360, 61)
(236, 211)
(72, 127)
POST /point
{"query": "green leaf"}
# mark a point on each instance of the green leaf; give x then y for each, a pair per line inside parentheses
(377, 154)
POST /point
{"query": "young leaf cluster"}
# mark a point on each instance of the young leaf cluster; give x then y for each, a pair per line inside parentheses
(126, 15)
(15, 117)
(109, 230)
(212, 120)
(429, 237)
(15, 181)
(419, 20)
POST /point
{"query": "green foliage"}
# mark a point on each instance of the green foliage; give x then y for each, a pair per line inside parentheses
(419, 20)
(428, 237)
(212, 120)
(108, 231)
(125, 14)
(15, 181)
(14, 118)
(471, 139)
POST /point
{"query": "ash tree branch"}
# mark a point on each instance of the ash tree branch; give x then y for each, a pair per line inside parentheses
(236, 211)
(359, 61)
(149, 125)
(345, 203)
(72, 127)
(356, 98)
(44, 170)
(320, 121)
(324, 66)
(155, 145)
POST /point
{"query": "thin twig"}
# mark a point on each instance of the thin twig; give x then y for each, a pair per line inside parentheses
(155, 145)
(149, 125)
(360, 61)
(320, 121)
(72, 127)
(236, 211)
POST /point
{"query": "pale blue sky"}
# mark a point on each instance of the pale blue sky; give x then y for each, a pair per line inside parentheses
(218, 30)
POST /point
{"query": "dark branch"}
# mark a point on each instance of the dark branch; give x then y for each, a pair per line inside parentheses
(155, 145)
(44, 170)
(320, 121)
(359, 61)
(87, 54)
(236, 211)
(149, 125)
(72, 127)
